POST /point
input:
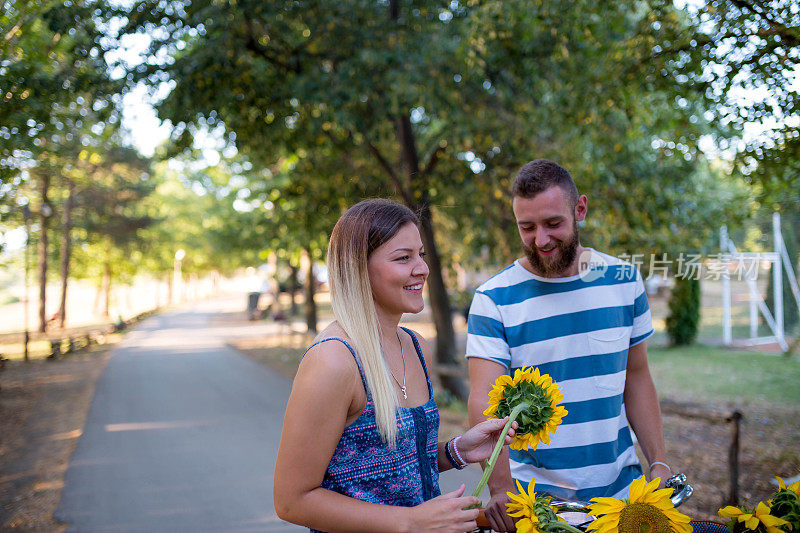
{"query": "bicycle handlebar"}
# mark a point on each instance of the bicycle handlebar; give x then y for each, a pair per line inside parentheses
(682, 491)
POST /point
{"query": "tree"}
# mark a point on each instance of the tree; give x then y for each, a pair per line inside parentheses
(440, 104)
(109, 211)
(51, 73)
(315, 90)
(54, 85)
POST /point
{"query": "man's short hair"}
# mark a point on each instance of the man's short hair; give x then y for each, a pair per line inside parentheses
(539, 175)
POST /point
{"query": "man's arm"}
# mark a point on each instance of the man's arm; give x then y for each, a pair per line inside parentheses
(644, 413)
(482, 374)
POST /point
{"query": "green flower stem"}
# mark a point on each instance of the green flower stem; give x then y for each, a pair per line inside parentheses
(561, 526)
(499, 446)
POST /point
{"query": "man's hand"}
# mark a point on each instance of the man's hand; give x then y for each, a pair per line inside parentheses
(482, 374)
(659, 470)
(496, 512)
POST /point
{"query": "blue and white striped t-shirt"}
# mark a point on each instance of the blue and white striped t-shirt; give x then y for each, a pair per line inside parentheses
(577, 329)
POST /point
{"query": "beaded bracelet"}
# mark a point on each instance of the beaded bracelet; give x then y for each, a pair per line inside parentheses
(449, 456)
(458, 455)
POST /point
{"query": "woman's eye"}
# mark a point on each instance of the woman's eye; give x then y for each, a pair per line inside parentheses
(423, 254)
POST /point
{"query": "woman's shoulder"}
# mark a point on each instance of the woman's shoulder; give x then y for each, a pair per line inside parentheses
(332, 331)
(330, 354)
(423, 344)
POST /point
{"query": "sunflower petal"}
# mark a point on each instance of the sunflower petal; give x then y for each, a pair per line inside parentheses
(605, 524)
(750, 521)
(637, 488)
(730, 512)
(605, 506)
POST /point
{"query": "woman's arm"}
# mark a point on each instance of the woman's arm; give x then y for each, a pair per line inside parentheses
(325, 386)
(478, 442)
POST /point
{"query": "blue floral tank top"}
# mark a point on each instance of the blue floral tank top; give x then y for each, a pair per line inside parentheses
(365, 468)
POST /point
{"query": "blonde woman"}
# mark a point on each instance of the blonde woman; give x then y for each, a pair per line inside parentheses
(359, 448)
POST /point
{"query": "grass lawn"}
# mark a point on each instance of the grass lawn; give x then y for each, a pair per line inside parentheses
(704, 373)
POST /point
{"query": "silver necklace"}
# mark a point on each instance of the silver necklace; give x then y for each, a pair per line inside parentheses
(403, 386)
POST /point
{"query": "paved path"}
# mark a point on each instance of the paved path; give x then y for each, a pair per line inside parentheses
(182, 433)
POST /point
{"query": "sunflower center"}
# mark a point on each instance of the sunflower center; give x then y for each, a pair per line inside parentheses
(643, 518)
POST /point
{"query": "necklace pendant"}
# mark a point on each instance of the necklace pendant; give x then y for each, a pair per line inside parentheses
(405, 396)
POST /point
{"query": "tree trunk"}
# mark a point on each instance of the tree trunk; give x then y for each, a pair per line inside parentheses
(97, 294)
(27, 272)
(437, 292)
(310, 304)
(46, 211)
(169, 288)
(293, 271)
(106, 288)
(66, 251)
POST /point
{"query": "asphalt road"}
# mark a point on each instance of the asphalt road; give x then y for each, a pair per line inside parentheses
(182, 433)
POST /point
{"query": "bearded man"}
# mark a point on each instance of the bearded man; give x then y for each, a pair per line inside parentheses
(581, 316)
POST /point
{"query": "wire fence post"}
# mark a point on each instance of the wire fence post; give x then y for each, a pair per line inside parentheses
(733, 460)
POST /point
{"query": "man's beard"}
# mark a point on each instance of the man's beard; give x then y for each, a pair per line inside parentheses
(554, 267)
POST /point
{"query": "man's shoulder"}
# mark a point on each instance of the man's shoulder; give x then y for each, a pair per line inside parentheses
(510, 275)
(612, 268)
(609, 259)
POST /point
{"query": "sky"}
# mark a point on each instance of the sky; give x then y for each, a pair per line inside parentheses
(146, 131)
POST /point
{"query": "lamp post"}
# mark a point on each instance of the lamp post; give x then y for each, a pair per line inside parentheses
(26, 213)
(177, 278)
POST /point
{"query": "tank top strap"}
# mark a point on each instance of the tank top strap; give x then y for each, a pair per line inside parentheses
(358, 363)
(421, 358)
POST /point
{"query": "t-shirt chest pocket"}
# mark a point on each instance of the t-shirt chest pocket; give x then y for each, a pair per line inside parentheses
(609, 349)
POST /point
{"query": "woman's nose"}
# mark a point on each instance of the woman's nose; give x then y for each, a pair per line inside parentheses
(421, 268)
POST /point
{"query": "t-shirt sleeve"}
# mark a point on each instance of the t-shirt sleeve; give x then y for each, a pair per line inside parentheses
(486, 337)
(642, 322)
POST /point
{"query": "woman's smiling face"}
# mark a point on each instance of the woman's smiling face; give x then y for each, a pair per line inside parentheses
(397, 273)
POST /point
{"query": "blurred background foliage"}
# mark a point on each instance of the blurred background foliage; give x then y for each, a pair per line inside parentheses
(673, 117)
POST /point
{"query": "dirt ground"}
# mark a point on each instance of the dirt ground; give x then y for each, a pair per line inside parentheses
(43, 407)
(700, 448)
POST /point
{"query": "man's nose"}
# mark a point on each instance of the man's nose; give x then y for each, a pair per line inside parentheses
(541, 238)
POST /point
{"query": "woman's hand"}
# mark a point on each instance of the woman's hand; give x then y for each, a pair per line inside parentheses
(478, 442)
(446, 513)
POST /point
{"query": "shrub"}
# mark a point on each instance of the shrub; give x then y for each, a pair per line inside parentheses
(684, 311)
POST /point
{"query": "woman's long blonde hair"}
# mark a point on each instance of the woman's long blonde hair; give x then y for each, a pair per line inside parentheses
(358, 233)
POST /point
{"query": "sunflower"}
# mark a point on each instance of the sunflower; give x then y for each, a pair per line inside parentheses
(529, 398)
(534, 512)
(522, 506)
(647, 510)
(794, 487)
(755, 519)
(786, 504)
(536, 397)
